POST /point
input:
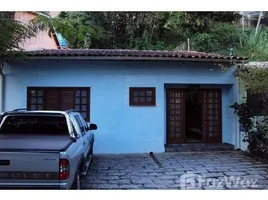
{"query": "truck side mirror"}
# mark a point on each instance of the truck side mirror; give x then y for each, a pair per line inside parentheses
(92, 126)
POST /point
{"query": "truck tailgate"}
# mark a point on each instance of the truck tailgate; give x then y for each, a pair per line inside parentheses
(29, 168)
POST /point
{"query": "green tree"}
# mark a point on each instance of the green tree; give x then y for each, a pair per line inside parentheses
(76, 27)
(122, 30)
(145, 30)
(220, 39)
(254, 47)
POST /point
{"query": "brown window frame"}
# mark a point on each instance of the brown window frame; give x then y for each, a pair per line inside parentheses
(145, 89)
(59, 90)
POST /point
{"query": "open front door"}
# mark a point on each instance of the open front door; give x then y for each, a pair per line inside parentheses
(175, 116)
(211, 116)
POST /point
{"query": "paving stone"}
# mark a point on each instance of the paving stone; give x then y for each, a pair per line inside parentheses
(238, 188)
(238, 169)
(138, 171)
(130, 187)
(110, 177)
(163, 181)
(119, 181)
(95, 181)
(265, 176)
(195, 188)
(142, 181)
(223, 168)
(177, 181)
(199, 171)
(261, 165)
(214, 188)
(212, 175)
(153, 186)
(159, 170)
(257, 172)
(165, 177)
(235, 173)
(176, 173)
(156, 174)
(255, 176)
(261, 181)
(218, 170)
(116, 173)
(102, 186)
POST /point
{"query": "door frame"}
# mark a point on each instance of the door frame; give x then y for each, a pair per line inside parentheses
(183, 114)
(204, 137)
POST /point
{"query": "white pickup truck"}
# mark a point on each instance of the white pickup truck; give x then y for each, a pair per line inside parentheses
(44, 149)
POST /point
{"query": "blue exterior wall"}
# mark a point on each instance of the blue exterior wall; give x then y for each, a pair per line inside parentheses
(122, 128)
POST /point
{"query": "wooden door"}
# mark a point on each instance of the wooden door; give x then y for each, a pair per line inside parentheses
(175, 116)
(211, 116)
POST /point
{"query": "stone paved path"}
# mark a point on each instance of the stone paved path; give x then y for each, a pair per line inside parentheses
(202, 170)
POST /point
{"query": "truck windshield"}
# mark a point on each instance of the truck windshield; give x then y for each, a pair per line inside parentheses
(55, 125)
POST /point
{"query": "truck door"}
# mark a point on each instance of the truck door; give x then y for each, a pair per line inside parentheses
(89, 134)
(82, 131)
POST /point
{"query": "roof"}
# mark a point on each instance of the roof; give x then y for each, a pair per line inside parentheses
(123, 54)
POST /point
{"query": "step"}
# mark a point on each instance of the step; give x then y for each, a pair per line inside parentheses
(191, 147)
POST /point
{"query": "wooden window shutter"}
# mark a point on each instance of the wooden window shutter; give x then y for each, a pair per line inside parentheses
(52, 100)
(67, 99)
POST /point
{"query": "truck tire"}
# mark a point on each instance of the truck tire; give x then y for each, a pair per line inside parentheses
(77, 182)
(91, 154)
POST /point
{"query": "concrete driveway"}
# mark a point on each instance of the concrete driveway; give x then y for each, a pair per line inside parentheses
(197, 170)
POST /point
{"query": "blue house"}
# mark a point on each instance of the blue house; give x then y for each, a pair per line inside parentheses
(140, 100)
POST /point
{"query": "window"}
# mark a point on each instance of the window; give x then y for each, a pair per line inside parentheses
(82, 128)
(54, 98)
(142, 96)
(48, 124)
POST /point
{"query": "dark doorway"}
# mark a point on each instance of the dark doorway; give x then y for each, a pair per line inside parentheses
(193, 115)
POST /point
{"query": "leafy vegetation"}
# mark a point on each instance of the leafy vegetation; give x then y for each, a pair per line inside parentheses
(150, 30)
(255, 124)
(255, 47)
(12, 33)
(206, 31)
(255, 128)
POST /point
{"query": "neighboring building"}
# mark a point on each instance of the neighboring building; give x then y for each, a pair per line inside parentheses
(140, 100)
(250, 18)
(43, 40)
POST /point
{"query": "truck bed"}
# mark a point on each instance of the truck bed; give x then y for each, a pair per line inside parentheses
(34, 142)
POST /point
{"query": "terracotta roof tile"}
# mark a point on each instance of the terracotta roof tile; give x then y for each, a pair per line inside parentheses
(129, 53)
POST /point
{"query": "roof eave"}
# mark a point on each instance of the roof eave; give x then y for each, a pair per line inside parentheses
(125, 58)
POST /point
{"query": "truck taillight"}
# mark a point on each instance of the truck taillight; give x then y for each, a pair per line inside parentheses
(64, 169)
